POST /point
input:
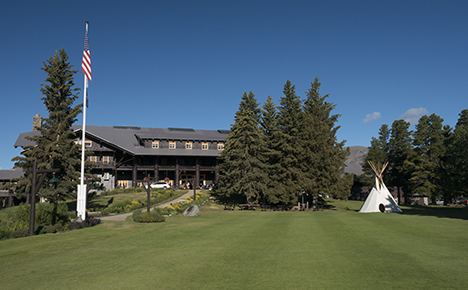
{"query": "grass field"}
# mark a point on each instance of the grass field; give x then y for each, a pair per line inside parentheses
(339, 248)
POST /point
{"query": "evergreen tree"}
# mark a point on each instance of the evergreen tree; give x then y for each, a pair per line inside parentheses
(378, 153)
(243, 178)
(429, 150)
(268, 125)
(55, 147)
(268, 121)
(323, 156)
(455, 165)
(399, 152)
(286, 174)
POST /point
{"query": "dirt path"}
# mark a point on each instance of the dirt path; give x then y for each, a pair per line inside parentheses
(122, 217)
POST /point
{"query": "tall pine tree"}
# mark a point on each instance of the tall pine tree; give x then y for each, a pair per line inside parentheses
(286, 174)
(55, 147)
(323, 156)
(243, 178)
(268, 125)
(399, 152)
(455, 164)
(428, 152)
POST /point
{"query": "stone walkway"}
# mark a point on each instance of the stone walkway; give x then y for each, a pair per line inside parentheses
(122, 217)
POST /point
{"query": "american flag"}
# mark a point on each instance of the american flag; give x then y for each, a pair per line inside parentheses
(86, 65)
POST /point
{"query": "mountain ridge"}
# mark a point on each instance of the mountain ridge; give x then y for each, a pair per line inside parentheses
(355, 160)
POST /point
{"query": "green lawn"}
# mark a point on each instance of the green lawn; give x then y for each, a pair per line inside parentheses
(339, 248)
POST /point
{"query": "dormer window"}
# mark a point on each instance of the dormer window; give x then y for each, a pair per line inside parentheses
(155, 144)
(188, 145)
(88, 143)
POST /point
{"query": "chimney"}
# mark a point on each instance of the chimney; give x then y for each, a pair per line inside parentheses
(37, 122)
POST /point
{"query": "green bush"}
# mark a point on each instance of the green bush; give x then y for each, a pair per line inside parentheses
(158, 210)
(147, 217)
(20, 233)
(47, 230)
(45, 214)
(60, 227)
(5, 232)
(20, 218)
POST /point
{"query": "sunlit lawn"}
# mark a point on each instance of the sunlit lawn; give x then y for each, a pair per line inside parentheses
(337, 248)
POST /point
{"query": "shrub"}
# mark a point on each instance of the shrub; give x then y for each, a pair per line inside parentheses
(47, 230)
(84, 224)
(20, 219)
(60, 227)
(91, 222)
(5, 232)
(147, 217)
(136, 214)
(45, 214)
(158, 210)
(20, 233)
(75, 225)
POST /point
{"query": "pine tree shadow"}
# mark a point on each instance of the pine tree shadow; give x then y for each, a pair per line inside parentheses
(460, 212)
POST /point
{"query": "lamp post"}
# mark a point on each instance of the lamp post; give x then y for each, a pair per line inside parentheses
(34, 189)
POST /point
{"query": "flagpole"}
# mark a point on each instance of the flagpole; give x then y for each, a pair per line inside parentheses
(81, 196)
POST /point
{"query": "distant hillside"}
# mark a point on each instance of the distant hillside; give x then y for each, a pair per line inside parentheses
(356, 159)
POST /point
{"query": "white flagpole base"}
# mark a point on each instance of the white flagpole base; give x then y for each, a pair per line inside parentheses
(81, 202)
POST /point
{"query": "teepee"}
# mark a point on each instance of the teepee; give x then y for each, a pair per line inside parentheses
(379, 199)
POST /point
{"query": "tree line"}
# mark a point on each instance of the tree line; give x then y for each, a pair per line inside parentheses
(431, 161)
(279, 155)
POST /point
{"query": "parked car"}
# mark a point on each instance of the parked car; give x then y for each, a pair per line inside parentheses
(160, 184)
(462, 200)
(440, 201)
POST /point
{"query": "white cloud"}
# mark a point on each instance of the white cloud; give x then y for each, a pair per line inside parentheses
(413, 115)
(372, 117)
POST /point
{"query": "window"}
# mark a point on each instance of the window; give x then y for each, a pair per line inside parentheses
(220, 146)
(106, 159)
(204, 146)
(93, 158)
(188, 145)
(155, 145)
(172, 145)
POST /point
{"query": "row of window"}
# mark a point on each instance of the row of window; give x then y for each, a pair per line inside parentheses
(105, 159)
(155, 145)
(188, 145)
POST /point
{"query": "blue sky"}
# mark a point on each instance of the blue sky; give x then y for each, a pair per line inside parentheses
(187, 63)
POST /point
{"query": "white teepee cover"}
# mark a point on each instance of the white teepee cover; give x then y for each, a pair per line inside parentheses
(379, 196)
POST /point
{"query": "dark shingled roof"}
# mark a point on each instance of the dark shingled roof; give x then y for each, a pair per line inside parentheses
(7, 175)
(127, 138)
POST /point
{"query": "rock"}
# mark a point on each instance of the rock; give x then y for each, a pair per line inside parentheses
(192, 211)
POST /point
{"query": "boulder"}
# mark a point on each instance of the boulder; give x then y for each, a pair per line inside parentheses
(192, 211)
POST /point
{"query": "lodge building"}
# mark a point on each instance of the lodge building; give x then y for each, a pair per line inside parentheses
(125, 155)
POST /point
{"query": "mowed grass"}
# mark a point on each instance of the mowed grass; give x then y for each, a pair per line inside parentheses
(332, 249)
